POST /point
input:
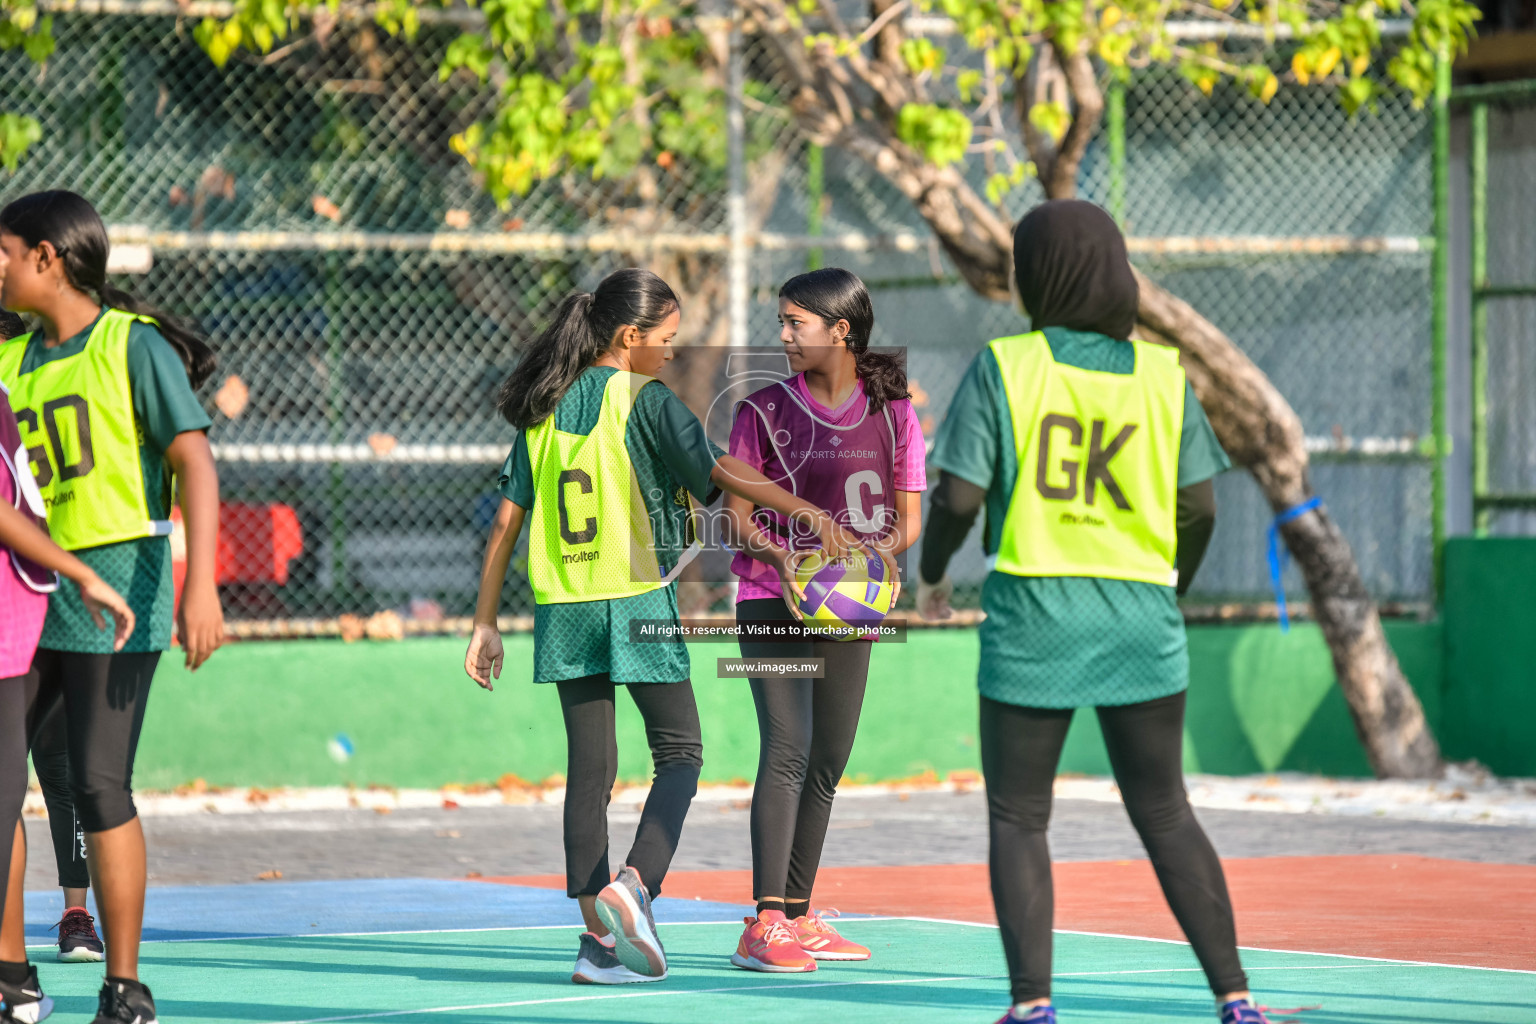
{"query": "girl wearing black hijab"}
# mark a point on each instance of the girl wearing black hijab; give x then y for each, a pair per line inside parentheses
(1094, 461)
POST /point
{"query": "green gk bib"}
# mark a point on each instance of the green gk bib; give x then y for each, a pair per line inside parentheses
(590, 536)
(1098, 464)
(77, 420)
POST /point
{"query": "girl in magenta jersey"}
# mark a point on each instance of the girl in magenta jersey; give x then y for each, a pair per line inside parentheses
(840, 433)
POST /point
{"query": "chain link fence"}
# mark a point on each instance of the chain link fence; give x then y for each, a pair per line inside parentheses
(365, 297)
(1509, 426)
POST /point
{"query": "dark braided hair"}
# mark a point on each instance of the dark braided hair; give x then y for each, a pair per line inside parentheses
(11, 325)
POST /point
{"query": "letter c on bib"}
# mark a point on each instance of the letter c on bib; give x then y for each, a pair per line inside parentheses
(588, 533)
(853, 496)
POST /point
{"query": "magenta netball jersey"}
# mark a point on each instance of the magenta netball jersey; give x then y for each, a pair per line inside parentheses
(24, 586)
(847, 460)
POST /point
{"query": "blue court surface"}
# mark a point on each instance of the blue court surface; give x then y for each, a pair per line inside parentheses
(438, 950)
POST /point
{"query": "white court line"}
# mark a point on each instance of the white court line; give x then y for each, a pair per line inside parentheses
(872, 918)
(665, 993)
(1253, 949)
(780, 986)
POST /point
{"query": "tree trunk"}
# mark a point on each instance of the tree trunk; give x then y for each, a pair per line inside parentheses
(1259, 429)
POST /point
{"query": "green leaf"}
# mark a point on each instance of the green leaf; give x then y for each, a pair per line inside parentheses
(940, 134)
(968, 82)
(17, 135)
(1052, 118)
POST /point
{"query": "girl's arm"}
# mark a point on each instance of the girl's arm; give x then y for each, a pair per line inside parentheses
(743, 534)
(22, 536)
(200, 619)
(484, 659)
(735, 476)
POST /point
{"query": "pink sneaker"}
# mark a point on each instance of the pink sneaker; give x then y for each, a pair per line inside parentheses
(768, 944)
(821, 940)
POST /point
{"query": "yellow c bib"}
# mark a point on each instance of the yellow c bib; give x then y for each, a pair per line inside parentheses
(590, 536)
(1098, 464)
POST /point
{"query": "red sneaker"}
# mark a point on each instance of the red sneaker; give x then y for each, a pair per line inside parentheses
(768, 944)
(821, 940)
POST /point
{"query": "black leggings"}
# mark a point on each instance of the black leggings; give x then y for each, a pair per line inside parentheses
(1020, 748)
(806, 729)
(592, 764)
(16, 693)
(103, 698)
(50, 756)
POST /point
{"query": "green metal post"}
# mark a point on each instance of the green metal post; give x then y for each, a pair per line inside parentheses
(335, 414)
(1479, 175)
(1439, 323)
(1114, 123)
(815, 187)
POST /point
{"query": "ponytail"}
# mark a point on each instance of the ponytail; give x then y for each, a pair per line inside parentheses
(551, 364)
(70, 224)
(884, 375)
(834, 294)
(581, 331)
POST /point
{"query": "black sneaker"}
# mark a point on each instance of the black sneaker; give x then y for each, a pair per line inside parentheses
(24, 1003)
(78, 941)
(125, 1002)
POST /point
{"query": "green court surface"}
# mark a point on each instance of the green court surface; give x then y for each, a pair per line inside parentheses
(922, 971)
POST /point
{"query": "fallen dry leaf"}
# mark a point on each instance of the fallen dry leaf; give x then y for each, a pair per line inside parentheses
(473, 874)
(382, 444)
(232, 397)
(269, 876)
(515, 224)
(385, 625)
(325, 208)
(381, 809)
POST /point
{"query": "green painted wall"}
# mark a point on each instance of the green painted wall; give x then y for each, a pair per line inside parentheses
(1490, 653)
(261, 713)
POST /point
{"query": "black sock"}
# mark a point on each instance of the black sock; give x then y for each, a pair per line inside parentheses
(763, 905)
(796, 908)
(14, 972)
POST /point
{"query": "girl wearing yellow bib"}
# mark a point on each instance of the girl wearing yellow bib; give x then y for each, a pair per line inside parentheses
(103, 392)
(1093, 460)
(605, 470)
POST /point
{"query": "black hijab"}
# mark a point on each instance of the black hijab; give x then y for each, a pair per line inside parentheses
(1070, 265)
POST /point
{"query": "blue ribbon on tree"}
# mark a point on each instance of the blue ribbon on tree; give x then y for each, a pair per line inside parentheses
(1278, 554)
